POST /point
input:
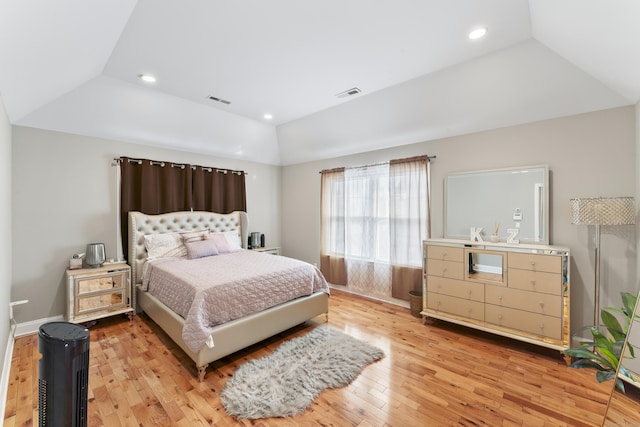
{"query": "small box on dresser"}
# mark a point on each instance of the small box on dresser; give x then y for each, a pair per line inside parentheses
(94, 293)
(518, 291)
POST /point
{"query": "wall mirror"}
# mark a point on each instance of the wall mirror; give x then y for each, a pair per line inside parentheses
(510, 198)
(624, 408)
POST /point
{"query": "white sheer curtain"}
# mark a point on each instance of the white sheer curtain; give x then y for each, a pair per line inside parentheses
(367, 229)
(374, 219)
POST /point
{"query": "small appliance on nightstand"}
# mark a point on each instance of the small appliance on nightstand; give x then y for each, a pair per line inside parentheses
(94, 293)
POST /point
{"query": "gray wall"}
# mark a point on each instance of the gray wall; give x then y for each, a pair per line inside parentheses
(64, 196)
(5, 230)
(588, 155)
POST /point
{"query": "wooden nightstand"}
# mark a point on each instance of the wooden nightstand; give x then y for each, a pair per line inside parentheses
(94, 293)
(273, 250)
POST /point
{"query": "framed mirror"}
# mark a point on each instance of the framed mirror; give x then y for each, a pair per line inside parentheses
(623, 408)
(502, 199)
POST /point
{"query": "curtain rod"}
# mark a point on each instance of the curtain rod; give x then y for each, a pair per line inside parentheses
(377, 164)
(118, 160)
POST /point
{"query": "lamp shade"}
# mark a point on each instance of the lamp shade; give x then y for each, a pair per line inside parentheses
(603, 211)
(95, 256)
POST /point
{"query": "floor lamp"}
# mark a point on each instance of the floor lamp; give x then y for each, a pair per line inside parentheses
(601, 211)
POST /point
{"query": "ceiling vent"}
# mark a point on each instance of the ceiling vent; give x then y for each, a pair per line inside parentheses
(224, 101)
(349, 92)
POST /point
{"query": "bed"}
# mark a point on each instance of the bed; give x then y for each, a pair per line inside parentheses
(233, 335)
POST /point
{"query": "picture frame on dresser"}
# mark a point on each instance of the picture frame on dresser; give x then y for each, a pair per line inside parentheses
(518, 291)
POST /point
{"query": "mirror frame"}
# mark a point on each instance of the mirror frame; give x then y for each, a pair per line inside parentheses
(545, 239)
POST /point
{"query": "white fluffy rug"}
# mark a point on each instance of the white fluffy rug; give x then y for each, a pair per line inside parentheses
(286, 382)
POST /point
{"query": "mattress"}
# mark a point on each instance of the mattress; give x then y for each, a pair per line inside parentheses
(213, 290)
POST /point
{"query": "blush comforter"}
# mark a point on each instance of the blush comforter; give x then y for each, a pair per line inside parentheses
(213, 290)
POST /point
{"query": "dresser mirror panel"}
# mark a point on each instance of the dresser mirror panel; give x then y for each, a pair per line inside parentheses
(485, 266)
(624, 407)
(502, 199)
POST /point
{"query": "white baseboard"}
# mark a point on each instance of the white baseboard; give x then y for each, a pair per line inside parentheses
(390, 300)
(28, 328)
(6, 371)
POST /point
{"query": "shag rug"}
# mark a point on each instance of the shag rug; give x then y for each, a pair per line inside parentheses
(286, 382)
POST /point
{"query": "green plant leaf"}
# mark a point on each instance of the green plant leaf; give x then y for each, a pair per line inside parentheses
(613, 325)
(603, 376)
(588, 363)
(629, 303)
(612, 360)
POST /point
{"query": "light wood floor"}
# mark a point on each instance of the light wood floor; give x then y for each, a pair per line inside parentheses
(433, 375)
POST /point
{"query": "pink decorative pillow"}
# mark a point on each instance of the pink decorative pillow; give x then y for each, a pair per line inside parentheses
(220, 241)
(201, 248)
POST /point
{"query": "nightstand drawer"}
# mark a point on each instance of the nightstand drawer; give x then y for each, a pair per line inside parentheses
(99, 283)
(109, 300)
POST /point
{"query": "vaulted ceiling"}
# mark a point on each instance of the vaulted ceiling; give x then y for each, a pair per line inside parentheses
(74, 66)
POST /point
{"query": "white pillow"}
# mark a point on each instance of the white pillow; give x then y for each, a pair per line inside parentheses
(164, 245)
(233, 240)
(231, 237)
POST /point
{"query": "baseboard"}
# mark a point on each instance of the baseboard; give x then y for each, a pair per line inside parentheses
(390, 300)
(32, 327)
(6, 372)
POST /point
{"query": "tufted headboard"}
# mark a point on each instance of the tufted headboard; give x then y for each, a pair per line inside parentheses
(141, 224)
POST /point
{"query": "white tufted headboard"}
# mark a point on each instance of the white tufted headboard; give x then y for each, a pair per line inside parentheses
(141, 224)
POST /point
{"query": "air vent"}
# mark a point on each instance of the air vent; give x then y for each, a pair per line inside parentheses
(224, 101)
(350, 92)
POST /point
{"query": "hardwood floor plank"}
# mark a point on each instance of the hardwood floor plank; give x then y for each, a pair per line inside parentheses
(438, 374)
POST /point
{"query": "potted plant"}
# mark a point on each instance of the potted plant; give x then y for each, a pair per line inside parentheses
(605, 351)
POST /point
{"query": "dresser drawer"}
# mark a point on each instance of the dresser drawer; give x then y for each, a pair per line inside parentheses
(535, 281)
(535, 262)
(458, 306)
(456, 288)
(445, 253)
(450, 269)
(535, 302)
(538, 324)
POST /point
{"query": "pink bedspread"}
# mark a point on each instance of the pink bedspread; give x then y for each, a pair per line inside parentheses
(213, 290)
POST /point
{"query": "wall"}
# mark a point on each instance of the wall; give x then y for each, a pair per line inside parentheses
(588, 155)
(64, 196)
(5, 237)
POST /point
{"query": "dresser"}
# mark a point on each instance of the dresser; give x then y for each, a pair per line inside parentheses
(518, 291)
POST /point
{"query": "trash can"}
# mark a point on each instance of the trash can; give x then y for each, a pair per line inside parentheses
(415, 303)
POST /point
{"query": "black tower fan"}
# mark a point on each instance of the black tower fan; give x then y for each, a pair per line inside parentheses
(63, 375)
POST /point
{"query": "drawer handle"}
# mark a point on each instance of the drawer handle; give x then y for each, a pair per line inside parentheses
(533, 283)
(533, 263)
(469, 292)
(541, 325)
(541, 304)
(500, 298)
(499, 316)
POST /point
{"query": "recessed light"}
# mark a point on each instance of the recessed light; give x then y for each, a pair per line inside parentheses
(268, 116)
(147, 78)
(478, 33)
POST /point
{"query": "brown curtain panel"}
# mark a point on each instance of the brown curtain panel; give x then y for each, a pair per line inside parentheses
(217, 190)
(152, 187)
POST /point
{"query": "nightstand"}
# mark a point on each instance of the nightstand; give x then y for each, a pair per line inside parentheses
(94, 293)
(273, 250)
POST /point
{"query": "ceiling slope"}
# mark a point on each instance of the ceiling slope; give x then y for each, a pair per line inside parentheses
(73, 66)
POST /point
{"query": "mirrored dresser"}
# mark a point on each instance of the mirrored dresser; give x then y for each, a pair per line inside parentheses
(515, 290)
